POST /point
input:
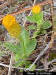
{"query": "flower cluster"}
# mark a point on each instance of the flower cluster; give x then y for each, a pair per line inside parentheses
(36, 9)
(11, 25)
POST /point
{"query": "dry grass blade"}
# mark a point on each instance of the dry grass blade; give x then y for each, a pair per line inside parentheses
(10, 66)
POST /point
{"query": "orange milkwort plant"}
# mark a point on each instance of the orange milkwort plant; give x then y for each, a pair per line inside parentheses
(25, 46)
(37, 17)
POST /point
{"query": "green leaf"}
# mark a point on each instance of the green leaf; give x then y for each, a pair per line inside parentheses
(14, 48)
(34, 34)
(27, 44)
(46, 24)
(10, 46)
(31, 18)
(43, 31)
(31, 27)
(31, 46)
(24, 40)
(36, 18)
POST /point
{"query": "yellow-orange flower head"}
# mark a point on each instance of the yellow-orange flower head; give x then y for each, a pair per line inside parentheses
(36, 9)
(11, 25)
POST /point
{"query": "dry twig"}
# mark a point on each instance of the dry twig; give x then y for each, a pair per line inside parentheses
(54, 60)
(10, 66)
(4, 5)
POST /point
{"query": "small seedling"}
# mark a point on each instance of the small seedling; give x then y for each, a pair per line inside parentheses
(37, 17)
